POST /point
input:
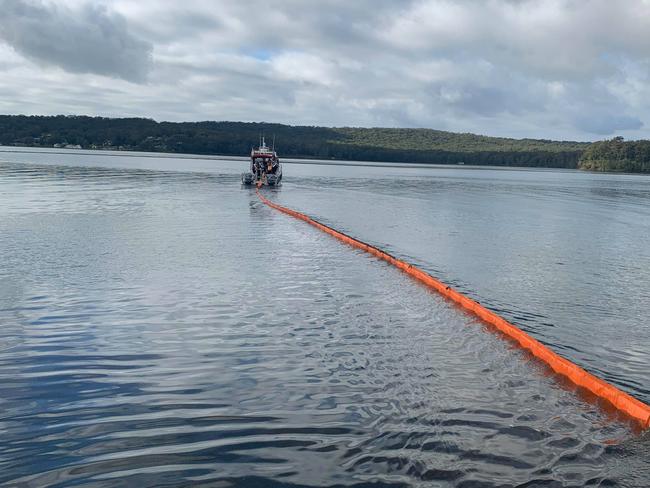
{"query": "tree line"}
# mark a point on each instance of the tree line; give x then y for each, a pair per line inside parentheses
(345, 143)
(617, 155)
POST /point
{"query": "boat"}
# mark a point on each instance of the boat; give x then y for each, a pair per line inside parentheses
(265, 168)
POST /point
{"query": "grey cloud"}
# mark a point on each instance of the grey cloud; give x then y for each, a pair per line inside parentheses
(489, 100)
(543, 68)
(88, 39)
(607, 124)
(554, 39)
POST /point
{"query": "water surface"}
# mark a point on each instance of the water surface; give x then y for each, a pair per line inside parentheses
(160, 326)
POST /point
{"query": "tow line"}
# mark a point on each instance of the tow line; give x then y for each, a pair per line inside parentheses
(625, 404)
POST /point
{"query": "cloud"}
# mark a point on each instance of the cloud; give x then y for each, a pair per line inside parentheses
(606, 124)
(545, 68)
(86, 39)
(551, 38)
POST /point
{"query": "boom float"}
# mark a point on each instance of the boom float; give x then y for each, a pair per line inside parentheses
(625, 404)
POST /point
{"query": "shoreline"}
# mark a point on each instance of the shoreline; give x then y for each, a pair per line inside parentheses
(305, 160)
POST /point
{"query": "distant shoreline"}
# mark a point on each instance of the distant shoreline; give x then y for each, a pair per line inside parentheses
(116, 153)
(224, 157)
(401, 147)
(383, 145)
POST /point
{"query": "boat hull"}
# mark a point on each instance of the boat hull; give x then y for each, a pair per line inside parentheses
(273, 180)
(249, 179)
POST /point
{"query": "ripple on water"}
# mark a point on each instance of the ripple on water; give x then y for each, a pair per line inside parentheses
(159, 329)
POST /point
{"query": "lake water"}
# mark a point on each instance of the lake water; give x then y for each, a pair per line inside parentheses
(159, 326)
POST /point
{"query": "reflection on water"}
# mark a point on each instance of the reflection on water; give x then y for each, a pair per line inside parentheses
(165, 328)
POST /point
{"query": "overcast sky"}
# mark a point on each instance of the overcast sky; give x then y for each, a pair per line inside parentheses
(545, 68)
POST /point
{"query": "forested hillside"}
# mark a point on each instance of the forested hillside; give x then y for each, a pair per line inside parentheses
(617, 155)
(236, 138)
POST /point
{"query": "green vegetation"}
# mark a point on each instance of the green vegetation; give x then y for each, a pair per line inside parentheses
(617, 155)
(346, 143)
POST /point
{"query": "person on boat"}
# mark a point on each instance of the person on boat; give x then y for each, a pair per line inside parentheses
(258, 163)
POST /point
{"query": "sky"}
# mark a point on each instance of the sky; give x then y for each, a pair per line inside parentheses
(555, 69)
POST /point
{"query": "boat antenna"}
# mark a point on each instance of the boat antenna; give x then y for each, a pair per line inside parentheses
(273, 147)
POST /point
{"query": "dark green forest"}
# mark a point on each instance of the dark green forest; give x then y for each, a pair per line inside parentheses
(345, 143)
(617, 155)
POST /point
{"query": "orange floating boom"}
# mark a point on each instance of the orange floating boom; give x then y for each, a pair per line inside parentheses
(621, 401)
